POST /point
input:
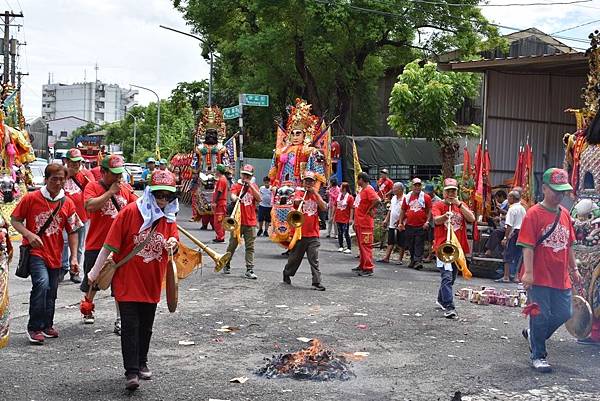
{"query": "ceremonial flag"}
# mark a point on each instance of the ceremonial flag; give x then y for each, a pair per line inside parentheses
(466, 165)
(518, 177)
(231, 147)
(478, 193)
(357, 168)
(528, 182)
(323, 142)
(187, 260)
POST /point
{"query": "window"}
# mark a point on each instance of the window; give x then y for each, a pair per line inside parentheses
(64, 134)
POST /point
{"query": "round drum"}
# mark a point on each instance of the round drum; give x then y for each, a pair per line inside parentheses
(172, 287)
(580, 323)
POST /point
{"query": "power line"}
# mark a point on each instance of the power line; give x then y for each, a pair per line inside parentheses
(576, 26)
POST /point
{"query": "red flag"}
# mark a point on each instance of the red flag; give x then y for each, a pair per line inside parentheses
(466, 164)
(487, 185)
(518, 177)
(479, 168)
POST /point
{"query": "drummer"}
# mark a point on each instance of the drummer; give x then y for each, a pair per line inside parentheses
(137, 284)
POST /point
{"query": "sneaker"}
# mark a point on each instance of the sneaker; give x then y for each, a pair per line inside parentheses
(117, 329)
(347, 251)
(439, 305)
(318, 287)
(218, 241)
(383, 261)
(588, 341)
(145, 373)
(365, 273)
(356, 269)
(259, 233)
(250, 274)
(50, 333)
(341, 249)
(451, 314)
(286, 253)
(35, 337)
(227, 270)
(525, 334)
(133, 382)
(541, 365)
(75, 278)
(286, 279)
(400, 263)
(89, 319)
(419, 266)
(203, 228)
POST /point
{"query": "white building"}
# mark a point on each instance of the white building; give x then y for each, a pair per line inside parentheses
(90, 101)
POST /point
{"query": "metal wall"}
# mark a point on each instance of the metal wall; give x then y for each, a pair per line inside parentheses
(521, 106)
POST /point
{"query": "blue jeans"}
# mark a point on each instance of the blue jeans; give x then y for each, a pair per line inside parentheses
(445, 293)
(555, 309)
(80, 243)
(43, 295)
(343, 232)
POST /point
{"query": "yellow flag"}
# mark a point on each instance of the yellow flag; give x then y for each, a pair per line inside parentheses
(357, 168)
(461, 262)
(187, 260)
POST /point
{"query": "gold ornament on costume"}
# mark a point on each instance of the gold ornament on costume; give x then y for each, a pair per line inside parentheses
(212, 118)
(300, 118)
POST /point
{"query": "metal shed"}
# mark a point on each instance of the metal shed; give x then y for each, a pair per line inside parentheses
(525, 98)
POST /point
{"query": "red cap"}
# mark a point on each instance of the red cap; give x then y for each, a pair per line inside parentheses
(163, 180)
(310, 175)
(450, 183)
(247, 169)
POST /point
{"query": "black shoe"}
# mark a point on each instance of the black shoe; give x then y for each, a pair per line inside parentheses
(356, 269)
(266, 233)
(133, 382)
(145, 373)
(75, 278)
(259, 233)
(365, 273)
(286, 253)
(286, 279)
(419, 267)
(318, 287)
(218, 241)
(204, 228)
(61, 276)
(451, 314)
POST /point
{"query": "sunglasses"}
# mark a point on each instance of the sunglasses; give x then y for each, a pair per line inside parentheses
(168, 196)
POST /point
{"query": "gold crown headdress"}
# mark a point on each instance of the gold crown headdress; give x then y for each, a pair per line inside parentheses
(212, 118)
(300, 118)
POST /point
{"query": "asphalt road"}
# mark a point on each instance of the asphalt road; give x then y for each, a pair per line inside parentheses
(414, 353)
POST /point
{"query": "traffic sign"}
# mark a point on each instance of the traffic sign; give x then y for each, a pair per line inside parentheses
(229, 113)
(248, 99)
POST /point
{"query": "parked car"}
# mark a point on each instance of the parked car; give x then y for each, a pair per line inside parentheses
(135, 171)
(37, 172)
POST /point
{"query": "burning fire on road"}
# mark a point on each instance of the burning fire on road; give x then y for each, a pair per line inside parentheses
(313, 363)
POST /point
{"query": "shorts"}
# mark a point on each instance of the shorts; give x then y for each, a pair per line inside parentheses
(264, 213)
(396, 237)
(512, 253)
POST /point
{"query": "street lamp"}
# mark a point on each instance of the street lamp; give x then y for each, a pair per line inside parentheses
(210, 77)
(134, 132)
(157, 117)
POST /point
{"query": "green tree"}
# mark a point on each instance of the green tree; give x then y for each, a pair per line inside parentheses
(331, 52)
(424, 102)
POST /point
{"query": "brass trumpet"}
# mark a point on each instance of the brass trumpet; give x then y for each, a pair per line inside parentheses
(220, 260)
(230, 223)
(295, 218)
(448, 252)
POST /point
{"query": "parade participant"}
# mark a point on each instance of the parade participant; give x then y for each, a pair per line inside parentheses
(512, 253)
(248, 195)
(40, 218)
(414, 219)
(77, 179)
(493, 245)
(332, 195)
(459, 215)
(428, 253)
(264, 207)
(162, 164)
(219, 203)
(150, 167)
(384, 185)
(364, 208)
(344, 210)
(395, 237)
(137, 283)
(97, 172)
(103, 200)
(311, 203)
(546, 237)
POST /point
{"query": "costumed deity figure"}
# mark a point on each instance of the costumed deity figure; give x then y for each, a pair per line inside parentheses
(582, 161)
(208, 152)
(299, 149)
(5, 257)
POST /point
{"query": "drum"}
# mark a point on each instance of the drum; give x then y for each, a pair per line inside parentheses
(580, 323)
(172, 285)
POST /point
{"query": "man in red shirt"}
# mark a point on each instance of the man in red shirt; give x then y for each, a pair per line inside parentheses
(309, 243)
(219, 203)
(47, 208)
(385, 185)
(151, 222)
(249, 196)
(414, 219)
(547, 263)
(77, 179)
(103, 201)
(455, 213)
(364, 207)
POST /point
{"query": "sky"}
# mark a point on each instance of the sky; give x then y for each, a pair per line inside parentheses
(68, 37)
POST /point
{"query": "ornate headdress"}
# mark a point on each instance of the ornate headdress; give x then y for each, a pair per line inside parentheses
(300, 118)
(212, 118)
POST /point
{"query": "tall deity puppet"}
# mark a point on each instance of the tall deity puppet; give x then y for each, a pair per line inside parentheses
(209, 151)
(303, 146)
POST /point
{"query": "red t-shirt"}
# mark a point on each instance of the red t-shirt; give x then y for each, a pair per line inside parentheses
(551, 257)
(310, 210)
(140, 279)
(97, 173)
(415, 211)
(101, 220)
(75, 192)
(35, 210)
(220, 186)
(459, 225)
(362, 203)
(385, 186)
(247, 205)
(342, 211)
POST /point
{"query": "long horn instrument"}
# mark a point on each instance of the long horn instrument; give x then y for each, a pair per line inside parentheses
(295, 218)
(448, 252)
(230, 223)
(220, 260)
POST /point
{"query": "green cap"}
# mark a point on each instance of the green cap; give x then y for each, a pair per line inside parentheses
(221, 168)
(150, 160)
(114, 163)
(557, 179)
(163, 161)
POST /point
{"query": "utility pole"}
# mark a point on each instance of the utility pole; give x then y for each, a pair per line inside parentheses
(13, 60)
(6, 44)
